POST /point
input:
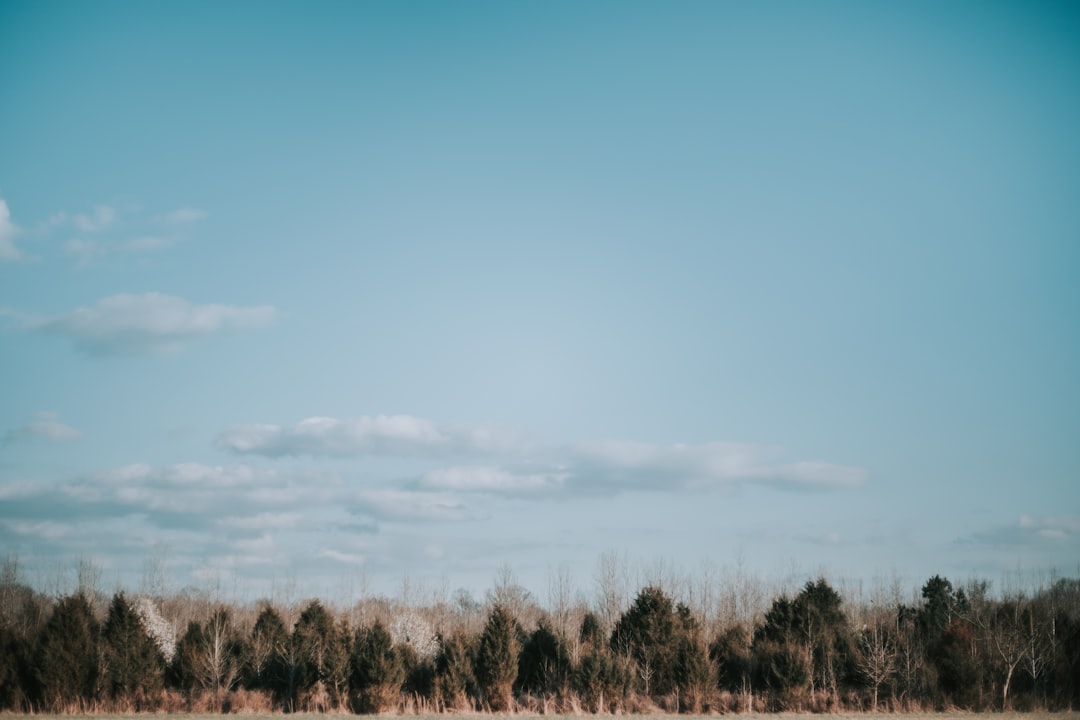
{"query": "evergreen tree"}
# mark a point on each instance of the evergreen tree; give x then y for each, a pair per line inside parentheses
(544, 665)
(959, 672)
(209, 657)
(16, 676)
(66, 666)
(804, 644)
(133, 667)
(265, 667)
(691, 662)
(313, 640)
(455, 678)
(939, 606)
(378, 669)
(730, 654)
(183, 671)
(592, 632)
(497, 659)
(648, 634)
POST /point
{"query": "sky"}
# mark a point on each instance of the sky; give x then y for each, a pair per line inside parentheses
(357, 294)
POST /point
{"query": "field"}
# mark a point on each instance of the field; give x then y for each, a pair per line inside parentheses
(523, 716)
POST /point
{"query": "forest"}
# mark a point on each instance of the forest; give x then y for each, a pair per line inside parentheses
(817, 647)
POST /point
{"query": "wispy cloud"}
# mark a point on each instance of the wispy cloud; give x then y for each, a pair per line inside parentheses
(185, 495)
(1029, 531)
(8, 230)
(45, 426)
(525, 467)
(492, 479)
(86, 252)
(407, 506)
(100, 218)
(182, 215)
(211, 516)
(398, 435)
(151, 322)
(650, 466)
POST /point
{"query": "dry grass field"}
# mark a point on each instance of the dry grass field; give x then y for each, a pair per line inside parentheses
(524, 716)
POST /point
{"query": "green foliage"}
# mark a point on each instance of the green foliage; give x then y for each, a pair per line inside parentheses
(183, 671)
(66, 664)
(802, 656)
(209, 657)
(133, 667)
(693, 672)
(1064, 674)
(544, 666)
(805, 643)
(497, 658)
(731, 655)
(314, 638)
(592, 632)
(378, 669)
(599, 677)
(784, 668)
(662, 643)
(939, 606)
(959, 672)
(16, 677)
(455, 679)
(265, 669)
(419, 672)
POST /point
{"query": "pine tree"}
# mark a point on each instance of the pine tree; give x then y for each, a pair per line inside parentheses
(545, 664)
(648, 635)
(134, 667)
(497, 659)
(313, 640)
(455, 679)
(66, 666)
(378, 669)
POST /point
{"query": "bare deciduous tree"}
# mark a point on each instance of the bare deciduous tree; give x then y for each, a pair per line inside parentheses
(878, 659)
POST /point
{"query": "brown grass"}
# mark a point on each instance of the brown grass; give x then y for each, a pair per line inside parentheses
(539, 714)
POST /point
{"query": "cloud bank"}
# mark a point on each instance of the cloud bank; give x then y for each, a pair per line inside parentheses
(182, 216)
(87, 252)
(396, 435)
(8, 231)
(99, 219)
(526, 468)
(45, 426)
(151, 322)
(1029, 531)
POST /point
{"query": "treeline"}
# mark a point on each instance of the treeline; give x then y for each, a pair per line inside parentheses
(950, 648)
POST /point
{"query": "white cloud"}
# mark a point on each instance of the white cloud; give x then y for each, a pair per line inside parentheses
(100, 218)
(150, 322)
(55, 220)
(255, 546)
(401, 435)
(86, 251)
(45, 426)
(8, 231)
(648, 466)
(187, 497)
(599, 467)
(182, 215)
(341, 557)
(184, 476)
(484, 478)
(263, 520)
(1061, 530)
(46, 530)
(408, 506)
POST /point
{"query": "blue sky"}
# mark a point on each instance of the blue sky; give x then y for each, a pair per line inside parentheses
(301, 292)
